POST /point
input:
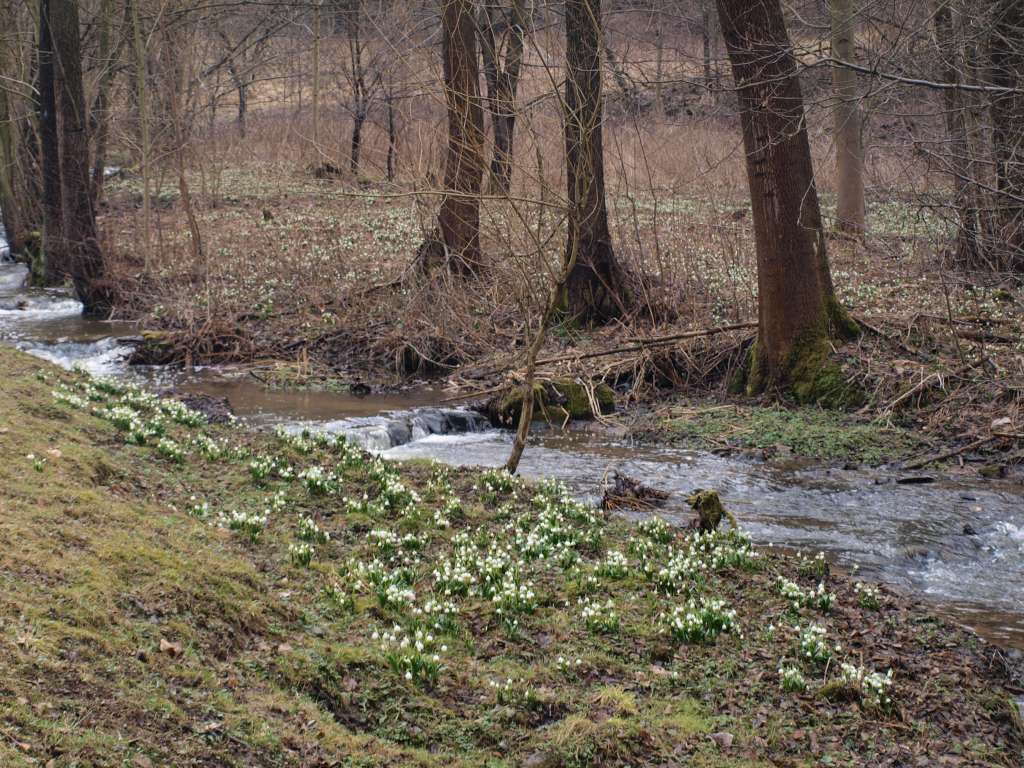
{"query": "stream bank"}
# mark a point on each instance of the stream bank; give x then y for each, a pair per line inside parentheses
(176, 623)
(940, 541)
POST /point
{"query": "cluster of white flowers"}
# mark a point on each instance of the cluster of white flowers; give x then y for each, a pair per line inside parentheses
(249, 524)
(197, 508)
(615, 565)
(301, 553)
(681, 571)
(494, 483)
(599, 617)
(515, 693)
(568, 666)
(300, 442)
(815, 566)
(819, 597)
(311, 532)
(514, 597)
(209, 448)
(264, 467)
(872, 687)
(170, 449)
(868, 596)
(655, 529)
(397, 548)
(181, 413)
(319, 481)
(700, 620)
(812, 644)
(438, 615)
(791, 678)
(393, 594)
(452, 507)
(416, 656)
(723, 549)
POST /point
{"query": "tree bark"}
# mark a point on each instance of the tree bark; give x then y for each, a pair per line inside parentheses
(101, 117)
(595, 290)
(142, 97)
(970, 240)
(847, 115)
(797, 309)
(502, 79)
(1007, 52)
(456, 242)
(54, 248)
(84, 258)
(10, 209)
(392, 131)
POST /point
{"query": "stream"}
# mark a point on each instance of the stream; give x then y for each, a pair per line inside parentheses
(958, 546)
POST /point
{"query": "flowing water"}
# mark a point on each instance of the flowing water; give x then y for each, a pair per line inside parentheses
(911, 536)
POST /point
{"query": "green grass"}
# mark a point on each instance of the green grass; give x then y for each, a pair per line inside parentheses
(808, 432)
(133, 633)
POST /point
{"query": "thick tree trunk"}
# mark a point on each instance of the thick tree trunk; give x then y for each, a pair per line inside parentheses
(705, 41)
(595, 290)
(847, 114)
(456, 243)
(1007, 51)
(54, 248)
(142, 99)
(797, 309)
(85, 260)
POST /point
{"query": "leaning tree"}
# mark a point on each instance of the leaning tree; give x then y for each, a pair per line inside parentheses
(798, 314)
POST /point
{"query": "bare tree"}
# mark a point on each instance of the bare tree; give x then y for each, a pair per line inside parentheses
(1006, 45)
(502, 30)
(595, 289)
(847, 116)
(797, 309)
(456, 242)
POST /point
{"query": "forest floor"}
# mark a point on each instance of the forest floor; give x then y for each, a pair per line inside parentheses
(313, 285)
(177, 593)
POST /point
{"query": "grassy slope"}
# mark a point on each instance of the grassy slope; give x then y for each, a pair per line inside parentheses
(134, 634)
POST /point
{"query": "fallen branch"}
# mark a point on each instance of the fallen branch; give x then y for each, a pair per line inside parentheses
(964, 449)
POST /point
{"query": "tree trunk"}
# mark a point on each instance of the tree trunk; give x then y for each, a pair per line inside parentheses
(1007, 52)
(456, 243)
(85, 260)
(54, 248)
(392, 131)
(101, 118)
(595, 289)
(316, 75)
(847, 114)
(142, 97)
(358, 119)
(10, 212)
(970, 246)
(502, 79)
(797, 309)
(243, 104)
(705, 40)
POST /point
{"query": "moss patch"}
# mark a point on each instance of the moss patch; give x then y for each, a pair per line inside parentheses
(554, 401)
(807, 431)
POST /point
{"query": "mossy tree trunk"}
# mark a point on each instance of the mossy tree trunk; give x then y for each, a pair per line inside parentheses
(456, 242)
(797, 309)
(595, 290)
